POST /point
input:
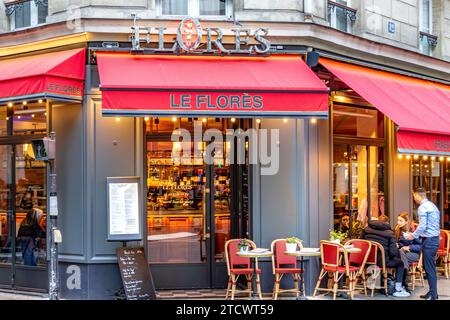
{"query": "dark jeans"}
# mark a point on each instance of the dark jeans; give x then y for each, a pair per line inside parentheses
(399, 269)
(429, 249)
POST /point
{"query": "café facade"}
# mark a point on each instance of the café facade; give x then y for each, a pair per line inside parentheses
(353, 138)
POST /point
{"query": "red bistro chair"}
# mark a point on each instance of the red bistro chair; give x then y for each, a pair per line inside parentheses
(372, 259)
(359, 260)
(282, 264)
(237, 266)
(331, 264)
(443, 251)
(416, 271)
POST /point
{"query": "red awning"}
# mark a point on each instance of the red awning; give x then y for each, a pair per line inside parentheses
(210, 86)
(420, 108)
(57, 75)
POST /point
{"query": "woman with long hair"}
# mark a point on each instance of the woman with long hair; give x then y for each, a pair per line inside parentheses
(409, 249)
(30, 231)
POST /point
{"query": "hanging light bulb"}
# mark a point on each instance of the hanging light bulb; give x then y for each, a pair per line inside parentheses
(416, 157)
(313, 120)
(448, 159)
(32, 115)
(18, 117)
(233, 120)
(174, 119)
(400, 156)
(117, 119)
(40, 100)
(425, 157)
(10, 104)
(408, 157)
(433, 158)
(285, 120)
(146, 119)
(24, 103)
(204, 120)
(441, 158)
(258, 121)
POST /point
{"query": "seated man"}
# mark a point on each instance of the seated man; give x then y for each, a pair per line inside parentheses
(380, 231)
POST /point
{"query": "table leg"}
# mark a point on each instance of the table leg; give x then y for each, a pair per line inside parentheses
(302, 281)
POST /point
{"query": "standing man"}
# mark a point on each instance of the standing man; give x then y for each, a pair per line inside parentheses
(429, 230)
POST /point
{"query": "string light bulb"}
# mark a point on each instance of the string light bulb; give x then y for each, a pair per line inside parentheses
(117, 119)
(416, 157)
(285, 120)
(448, 159)
(32, 115)
(408, 157)
(204, 120)
(10, 104)
(400, 156)
(258, 121)
(441, 158)
(24, 103)
(174, 119)
(233, 120)
(433, 158)
(40, 100)
(425, 157)
(313, 120)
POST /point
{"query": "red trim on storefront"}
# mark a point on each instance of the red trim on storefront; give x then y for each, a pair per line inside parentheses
(420, 108)
(213, 86)
(58, 73)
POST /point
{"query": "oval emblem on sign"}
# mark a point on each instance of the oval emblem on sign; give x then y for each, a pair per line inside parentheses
(189, 34)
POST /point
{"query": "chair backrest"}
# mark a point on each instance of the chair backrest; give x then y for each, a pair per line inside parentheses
(372, 257)
(359, 259)
(279, 258)
(233, 260)
(444, 242)
(330, 253)
(380, 248)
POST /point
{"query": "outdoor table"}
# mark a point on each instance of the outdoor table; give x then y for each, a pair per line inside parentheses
(312, 252)
(255, 254)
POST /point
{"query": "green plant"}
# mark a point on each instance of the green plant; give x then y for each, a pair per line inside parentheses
(292, 240)
(338, 235)
(243, 243)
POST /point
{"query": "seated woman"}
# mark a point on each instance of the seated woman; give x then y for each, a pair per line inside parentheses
(409, 249)
(381, 232)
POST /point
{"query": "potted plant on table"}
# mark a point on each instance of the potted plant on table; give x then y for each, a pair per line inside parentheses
(243, 245)
(291, 244)
(337, 236)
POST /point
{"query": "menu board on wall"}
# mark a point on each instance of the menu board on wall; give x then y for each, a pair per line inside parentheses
(124, 209)
(136, 277)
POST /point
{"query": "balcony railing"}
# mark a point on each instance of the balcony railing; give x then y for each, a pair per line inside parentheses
(350, 12)
(18, 5)
(431, 39)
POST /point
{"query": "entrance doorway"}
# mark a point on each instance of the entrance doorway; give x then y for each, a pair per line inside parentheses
(193, 207)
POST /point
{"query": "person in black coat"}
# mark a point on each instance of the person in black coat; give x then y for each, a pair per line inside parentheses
(380, 231)
(28, 235)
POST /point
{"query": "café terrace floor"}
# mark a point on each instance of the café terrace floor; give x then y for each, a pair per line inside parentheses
(200, 294)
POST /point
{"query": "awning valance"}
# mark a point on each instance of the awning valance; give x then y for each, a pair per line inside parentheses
(420, 108)
(209, 86)
(56, 75)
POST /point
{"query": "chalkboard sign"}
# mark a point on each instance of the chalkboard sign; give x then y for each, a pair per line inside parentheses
(135, 272)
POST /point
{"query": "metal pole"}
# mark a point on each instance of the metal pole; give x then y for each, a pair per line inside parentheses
(53, 265)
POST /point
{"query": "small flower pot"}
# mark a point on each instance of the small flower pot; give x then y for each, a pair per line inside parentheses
(336, 241)
(243, 249)
(291, 247)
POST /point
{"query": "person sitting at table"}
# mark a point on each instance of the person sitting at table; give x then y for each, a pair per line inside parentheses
(380, 231)
(409, 249)
(343, 225)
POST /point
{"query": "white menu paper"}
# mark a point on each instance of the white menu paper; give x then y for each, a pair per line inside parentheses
(123, 208)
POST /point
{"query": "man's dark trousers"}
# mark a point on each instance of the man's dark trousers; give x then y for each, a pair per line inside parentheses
(429, 249)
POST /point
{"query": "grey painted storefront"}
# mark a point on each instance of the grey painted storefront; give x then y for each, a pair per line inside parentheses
(296, 201)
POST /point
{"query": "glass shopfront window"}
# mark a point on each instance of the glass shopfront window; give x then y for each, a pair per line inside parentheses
(22, 185)
(430, 173)
(358, 168)
(447, 194)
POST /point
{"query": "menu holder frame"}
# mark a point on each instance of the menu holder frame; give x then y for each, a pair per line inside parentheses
(124, 236)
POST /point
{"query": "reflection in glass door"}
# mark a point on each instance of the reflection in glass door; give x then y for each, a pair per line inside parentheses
(358, 176)
(192, 205)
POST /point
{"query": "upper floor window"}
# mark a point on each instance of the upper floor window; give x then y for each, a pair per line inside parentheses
(341, 15)
(427, 40)
(27, 14)
(204, 8)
